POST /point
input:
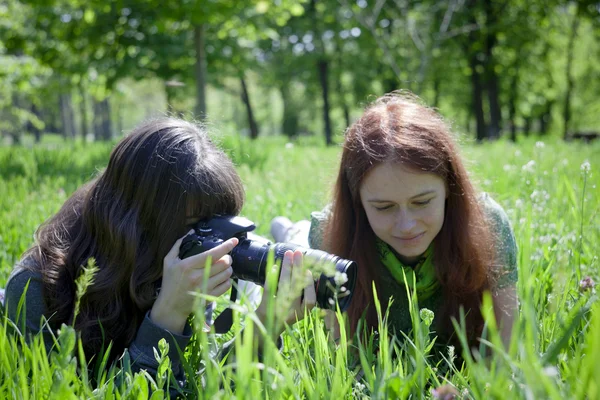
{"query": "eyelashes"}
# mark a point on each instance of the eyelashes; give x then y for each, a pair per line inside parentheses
(421, 203)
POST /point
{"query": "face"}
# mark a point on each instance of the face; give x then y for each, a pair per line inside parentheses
(405, 207)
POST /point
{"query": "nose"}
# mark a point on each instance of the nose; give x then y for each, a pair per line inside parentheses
(405, 222)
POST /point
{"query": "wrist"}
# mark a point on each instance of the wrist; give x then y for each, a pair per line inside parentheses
(167, 319)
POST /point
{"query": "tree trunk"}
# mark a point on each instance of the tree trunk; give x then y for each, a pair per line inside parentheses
(246, 99)
(323, 78)
(37, 133)
(437, 82)
(346, 110)
(546, 117)
(119, 112)
(201, 74)
(569, 74)
(527, 126)
(290, 112)
(339, 88)
(102, 120)
(83, 112)
(169, 95)
(66, 115)
(512, 104)
(390, 84)
(491, 78)
(477, 105)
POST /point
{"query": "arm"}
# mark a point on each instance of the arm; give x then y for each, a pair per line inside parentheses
(505, 310)
(30, 321)
(504, 274)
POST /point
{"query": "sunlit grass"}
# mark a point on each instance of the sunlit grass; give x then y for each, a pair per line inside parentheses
(549, 190)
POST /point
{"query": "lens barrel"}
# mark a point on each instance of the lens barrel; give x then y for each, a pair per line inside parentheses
(250, 262)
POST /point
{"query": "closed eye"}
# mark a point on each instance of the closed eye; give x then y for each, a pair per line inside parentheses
(383, 208)
(422, 202)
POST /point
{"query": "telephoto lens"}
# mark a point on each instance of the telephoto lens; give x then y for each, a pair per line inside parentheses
(250, 264)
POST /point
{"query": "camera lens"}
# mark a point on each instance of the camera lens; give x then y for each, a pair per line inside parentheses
(250, 260)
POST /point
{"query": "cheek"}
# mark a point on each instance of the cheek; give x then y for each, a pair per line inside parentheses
(435, 218)
(377, 223)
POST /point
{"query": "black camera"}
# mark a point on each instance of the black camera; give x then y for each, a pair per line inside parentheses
(250, 258)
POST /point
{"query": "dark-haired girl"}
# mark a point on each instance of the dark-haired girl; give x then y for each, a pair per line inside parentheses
(161, 179)
(403, 204)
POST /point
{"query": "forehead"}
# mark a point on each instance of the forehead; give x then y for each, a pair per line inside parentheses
(393, 181)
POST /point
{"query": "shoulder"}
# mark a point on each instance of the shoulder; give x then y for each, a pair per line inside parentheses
(24, 287)
(498, 219)
(505, 246)
(24, 271)
(493, 210)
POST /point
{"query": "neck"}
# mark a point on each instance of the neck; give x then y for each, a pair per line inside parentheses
(408, 261)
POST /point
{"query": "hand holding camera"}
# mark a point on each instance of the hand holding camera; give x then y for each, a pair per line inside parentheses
(295, 290)
(182, 276)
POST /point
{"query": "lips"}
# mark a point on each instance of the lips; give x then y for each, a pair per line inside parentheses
(413, 237)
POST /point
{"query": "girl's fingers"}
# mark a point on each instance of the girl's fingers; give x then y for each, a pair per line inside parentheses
(310, 296)
(218, 279)
(221, 265)
(285, 274)
(220, 289)
(198, 261)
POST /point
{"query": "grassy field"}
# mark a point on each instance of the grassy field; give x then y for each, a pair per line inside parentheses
(549, 190)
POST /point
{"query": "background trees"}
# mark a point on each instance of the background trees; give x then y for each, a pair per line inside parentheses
(497, 67)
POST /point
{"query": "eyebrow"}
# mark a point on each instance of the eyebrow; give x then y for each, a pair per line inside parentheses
(412, 198)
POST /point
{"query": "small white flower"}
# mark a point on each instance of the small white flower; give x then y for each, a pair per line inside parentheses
(540, 145)
(585, 166)
(289, 145)
(529, 167)
(519, 203)
(340, 278)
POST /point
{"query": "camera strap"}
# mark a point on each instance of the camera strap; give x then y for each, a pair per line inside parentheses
(224, 321)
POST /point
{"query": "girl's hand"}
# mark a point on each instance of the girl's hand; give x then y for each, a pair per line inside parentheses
(296, 284)
(181, 277)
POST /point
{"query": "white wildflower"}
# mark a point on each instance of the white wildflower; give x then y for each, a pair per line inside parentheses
(540, 145)
(340, 278)
(519, 203)
(529, 167)
(585, 166)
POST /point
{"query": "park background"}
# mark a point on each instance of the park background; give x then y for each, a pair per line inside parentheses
(277, 83)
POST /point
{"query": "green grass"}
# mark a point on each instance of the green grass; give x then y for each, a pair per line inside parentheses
(553, 204)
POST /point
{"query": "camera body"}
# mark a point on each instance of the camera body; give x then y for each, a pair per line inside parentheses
(250, 258)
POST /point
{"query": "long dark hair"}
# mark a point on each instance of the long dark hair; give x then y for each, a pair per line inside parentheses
(127, 219)
(398, 128)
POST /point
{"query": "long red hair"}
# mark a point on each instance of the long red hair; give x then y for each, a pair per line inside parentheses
(398, 128)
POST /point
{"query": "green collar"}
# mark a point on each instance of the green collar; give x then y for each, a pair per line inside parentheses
(420, 277)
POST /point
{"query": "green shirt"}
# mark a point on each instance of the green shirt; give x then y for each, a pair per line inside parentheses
(399, 315)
